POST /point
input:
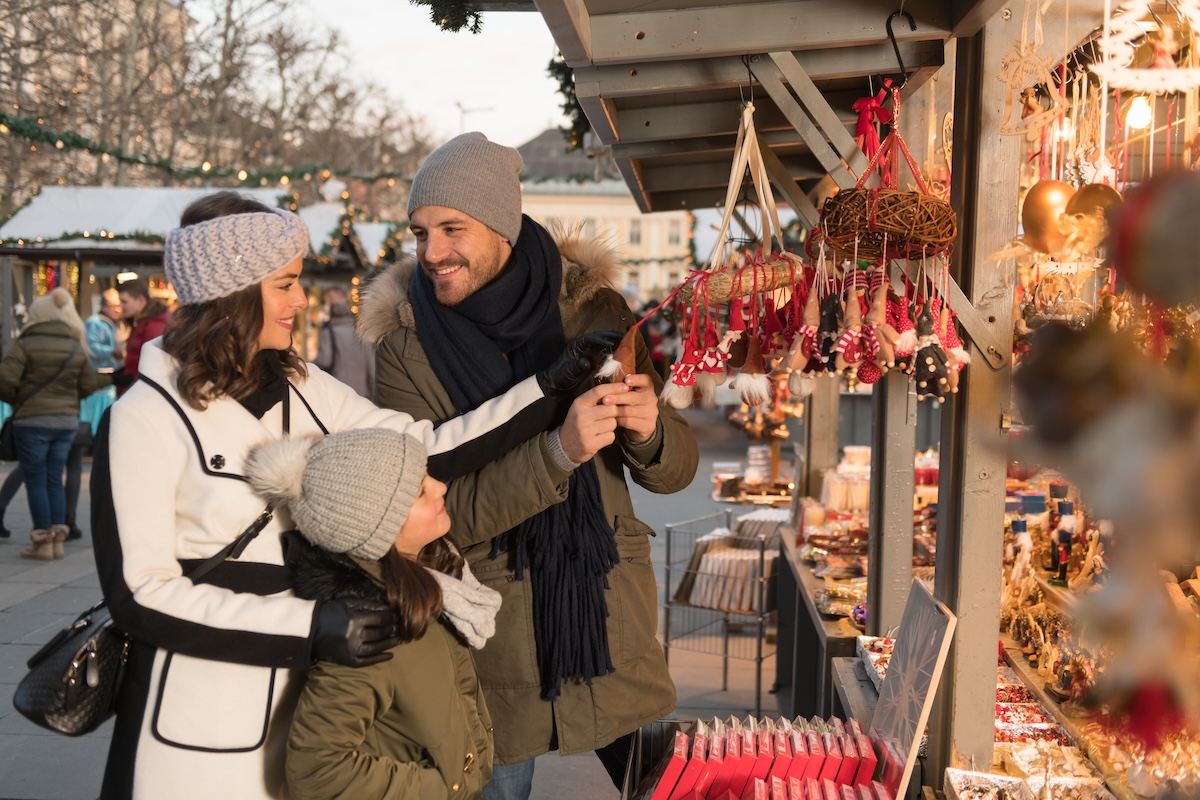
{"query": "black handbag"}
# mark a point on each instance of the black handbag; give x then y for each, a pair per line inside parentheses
(8, 441)
(74, 679)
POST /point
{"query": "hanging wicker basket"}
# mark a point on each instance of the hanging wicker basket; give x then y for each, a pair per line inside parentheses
(742, 281)
(911, 223)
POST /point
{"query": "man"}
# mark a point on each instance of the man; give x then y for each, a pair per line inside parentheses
(574, 664)
(148, 315)
(341, 351)
(105, 347)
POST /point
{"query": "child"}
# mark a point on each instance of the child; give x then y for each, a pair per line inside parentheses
(413, 724)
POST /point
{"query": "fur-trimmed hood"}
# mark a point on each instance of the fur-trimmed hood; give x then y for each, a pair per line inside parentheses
(318, 574)
(588, 267)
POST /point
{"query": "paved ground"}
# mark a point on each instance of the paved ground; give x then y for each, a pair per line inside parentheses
(37, 599)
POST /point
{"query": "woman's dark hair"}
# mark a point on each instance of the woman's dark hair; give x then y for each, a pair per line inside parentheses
(216, 342)
(411, 590)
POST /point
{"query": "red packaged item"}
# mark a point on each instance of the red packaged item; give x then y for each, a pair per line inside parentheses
(733, 762)
(848, 792)
(853, 728)
(833, 757)
(673, 769)
(783, 757)
(712, 766)
(762, 764)
(837, 725)
(799, 756)
(761, 792)
(795, 789)
(778, 792)
(695, 765)
(816, 755)
(849, 768)
(749, 755)
(880, 791)
(867, 761)
(812, 789)
(864, 792)
(829, 790)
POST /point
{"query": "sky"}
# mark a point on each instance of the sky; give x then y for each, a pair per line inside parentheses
(494, 81)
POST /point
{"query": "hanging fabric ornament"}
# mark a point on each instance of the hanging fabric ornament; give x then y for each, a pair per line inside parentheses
(770, 331)
(1123, 31)
(828, 331)
(900, 318)
(623, 360)
(956, 356)
(751, 381)
(804, 345)
(929, 360)
(868, 372)
(848, 351)
(736, 335)
(880, 331)
(711, 372)
(680, 389)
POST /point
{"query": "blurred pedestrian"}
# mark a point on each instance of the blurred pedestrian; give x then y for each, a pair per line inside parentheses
(148, 315)
(44, 376)
(341, 350)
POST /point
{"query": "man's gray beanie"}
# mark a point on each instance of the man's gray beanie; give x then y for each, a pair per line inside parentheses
(349, 492)
(482, 179)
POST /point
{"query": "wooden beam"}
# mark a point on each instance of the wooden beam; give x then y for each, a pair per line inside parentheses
(700, 144)
(968, 17)
(570, 25)
(688, 120)
(738, 28)
(613, 81)
(782, 179)
(814, 138)
(714, 173)
(818, 108)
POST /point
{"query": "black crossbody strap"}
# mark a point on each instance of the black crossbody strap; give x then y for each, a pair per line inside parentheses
(51, 379)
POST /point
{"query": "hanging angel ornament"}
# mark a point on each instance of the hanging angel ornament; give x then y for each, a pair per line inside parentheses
(1118, 44)
(1022, 69)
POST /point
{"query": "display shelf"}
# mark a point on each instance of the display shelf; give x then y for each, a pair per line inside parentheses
(1113, 778)
(808, 639)
(855, 692)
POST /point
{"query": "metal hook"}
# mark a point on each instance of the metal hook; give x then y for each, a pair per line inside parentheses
(912, 26)
(749, 81)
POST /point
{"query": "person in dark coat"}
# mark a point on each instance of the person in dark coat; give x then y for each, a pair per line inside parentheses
(341, 351)
(415, 725)
(148, 316)
(45, 375)
(575, 665)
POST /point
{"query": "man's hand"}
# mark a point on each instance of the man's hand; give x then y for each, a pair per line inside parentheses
(637, 409)
(581, 357)
(591, 425)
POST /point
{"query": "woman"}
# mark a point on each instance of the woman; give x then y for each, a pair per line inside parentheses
(44, 376)
(211, 680)
(417, 725)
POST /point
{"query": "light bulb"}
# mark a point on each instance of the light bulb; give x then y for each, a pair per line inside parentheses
(1138, 116)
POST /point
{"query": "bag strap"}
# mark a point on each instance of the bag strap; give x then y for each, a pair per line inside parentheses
(51, 379)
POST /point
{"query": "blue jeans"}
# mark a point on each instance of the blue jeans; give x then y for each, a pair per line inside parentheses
(515, 781)
(42, 454)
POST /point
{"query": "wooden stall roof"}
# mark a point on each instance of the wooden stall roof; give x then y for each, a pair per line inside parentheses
(662, 81)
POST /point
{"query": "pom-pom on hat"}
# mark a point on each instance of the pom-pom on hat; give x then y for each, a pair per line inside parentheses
(226, 254)
(482, 179)
(349, 492)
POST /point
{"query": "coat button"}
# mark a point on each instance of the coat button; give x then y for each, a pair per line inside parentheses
(217, 462)
(454, 788)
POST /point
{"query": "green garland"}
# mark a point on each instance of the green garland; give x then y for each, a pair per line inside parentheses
(36, 130)
(104, 236)
(452, 15)
(570, 106)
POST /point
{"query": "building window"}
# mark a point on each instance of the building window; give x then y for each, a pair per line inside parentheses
(635, 231)
(673, 278)
(674, 233)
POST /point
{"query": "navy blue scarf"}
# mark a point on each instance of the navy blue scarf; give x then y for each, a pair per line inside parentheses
(480, 348)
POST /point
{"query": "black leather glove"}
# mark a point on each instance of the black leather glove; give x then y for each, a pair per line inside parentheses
(122, 379)
(581, 358)
(355, 633)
